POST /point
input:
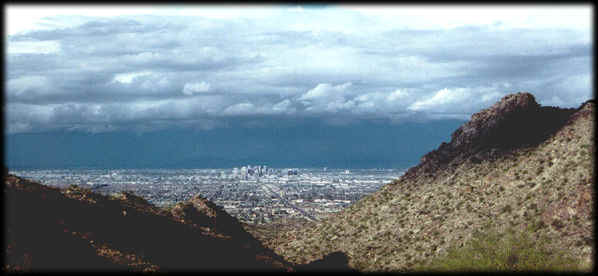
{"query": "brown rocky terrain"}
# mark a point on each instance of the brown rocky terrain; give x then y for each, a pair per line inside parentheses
(75, 229)
(516, 165)
(51, 229)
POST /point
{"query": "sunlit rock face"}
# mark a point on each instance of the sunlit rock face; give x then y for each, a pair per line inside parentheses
(516, 121)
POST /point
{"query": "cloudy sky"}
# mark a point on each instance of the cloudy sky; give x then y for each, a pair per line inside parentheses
(105, 68)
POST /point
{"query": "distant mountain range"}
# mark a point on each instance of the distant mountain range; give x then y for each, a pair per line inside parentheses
(307, 143)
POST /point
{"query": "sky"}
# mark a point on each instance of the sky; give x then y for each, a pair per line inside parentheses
(106, 68)
(402, 77)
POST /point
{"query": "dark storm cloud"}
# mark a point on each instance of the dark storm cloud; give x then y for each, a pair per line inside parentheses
(155, 71)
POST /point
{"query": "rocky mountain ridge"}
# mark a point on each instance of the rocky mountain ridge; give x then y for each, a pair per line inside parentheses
(516, 121)
(515, 165)
(75, 229)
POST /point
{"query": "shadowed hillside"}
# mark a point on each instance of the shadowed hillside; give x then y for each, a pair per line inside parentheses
(51, 229)
(48, 229)
(511, 191)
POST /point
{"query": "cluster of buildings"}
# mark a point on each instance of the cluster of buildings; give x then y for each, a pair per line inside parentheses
(245, 172)
(253, 194)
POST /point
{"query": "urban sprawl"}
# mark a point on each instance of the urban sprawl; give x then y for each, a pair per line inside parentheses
(253, 194)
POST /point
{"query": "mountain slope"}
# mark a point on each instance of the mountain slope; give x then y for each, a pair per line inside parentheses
(76, 229)
(515, 165)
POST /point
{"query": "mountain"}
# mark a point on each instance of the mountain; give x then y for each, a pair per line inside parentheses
(74, 229)
(516, 169)
(293, 143)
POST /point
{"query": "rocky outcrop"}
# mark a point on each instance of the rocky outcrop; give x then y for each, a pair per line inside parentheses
(196, 210)
(516, 121)
(202, 213)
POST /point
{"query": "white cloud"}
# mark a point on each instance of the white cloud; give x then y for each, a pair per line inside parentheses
(458, 102)
(283, 107)
(503, 16)
(341, 18)
(325, 91)
(239, 109)
(334, 107)
(22, 18)
(442, 98)
(27, 84)
(383, 104)
(141, 83)
(129, 77)
(397, 95)
(33, 47)
(191, 88)
(326, 97)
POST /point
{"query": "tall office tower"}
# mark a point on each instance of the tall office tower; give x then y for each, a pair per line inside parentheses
(244, 172)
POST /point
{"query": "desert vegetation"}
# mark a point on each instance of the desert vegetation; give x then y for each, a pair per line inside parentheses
(493, 250)
(540, 191)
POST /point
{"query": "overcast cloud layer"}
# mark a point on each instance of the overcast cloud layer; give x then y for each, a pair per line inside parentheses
(101, 68)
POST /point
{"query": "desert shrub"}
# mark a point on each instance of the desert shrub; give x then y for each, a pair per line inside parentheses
(539, 170)
(585, 146)
(509, 250)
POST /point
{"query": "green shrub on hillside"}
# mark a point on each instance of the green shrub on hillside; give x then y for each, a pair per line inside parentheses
(496, 251)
